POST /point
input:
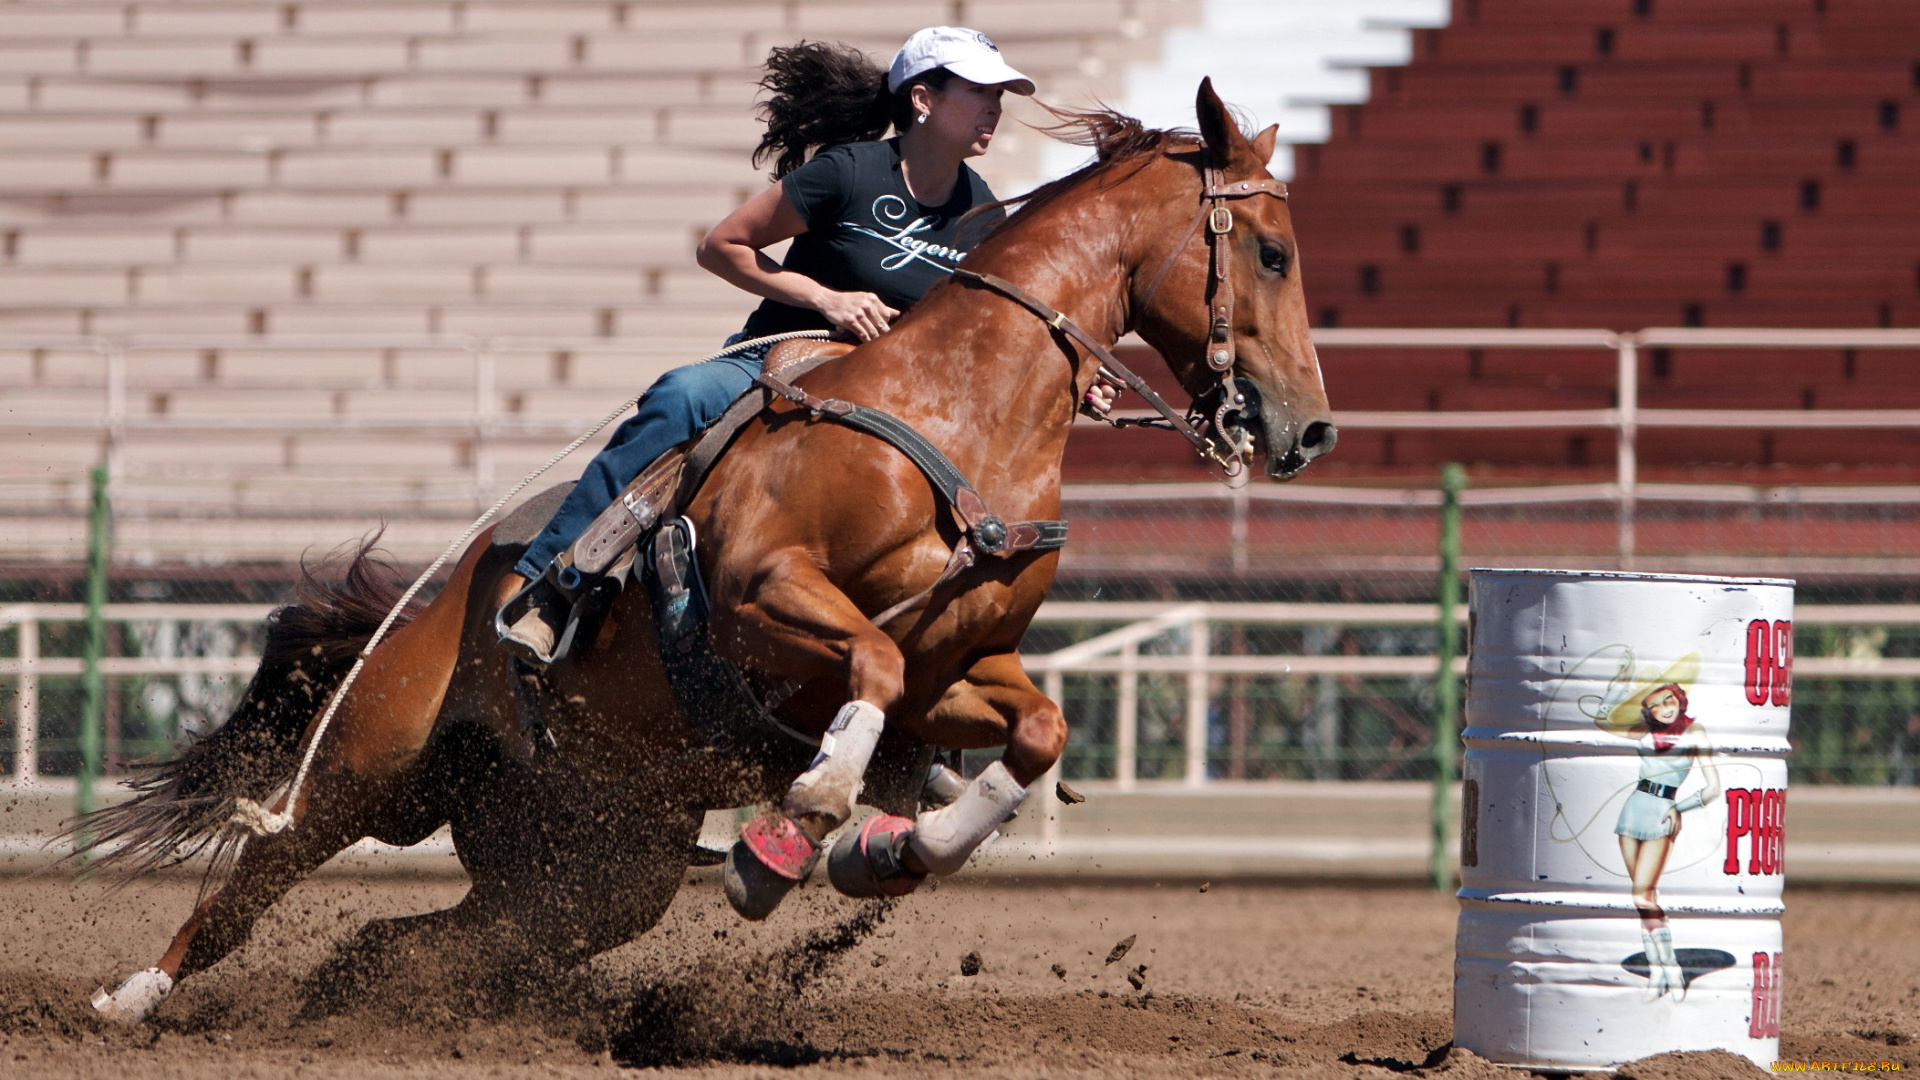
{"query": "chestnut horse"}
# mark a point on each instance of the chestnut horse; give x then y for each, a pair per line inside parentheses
(577, 832)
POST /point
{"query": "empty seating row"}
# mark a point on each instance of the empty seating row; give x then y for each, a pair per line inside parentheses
(1771, 243)
(359, 168)
(1528, 159)
(691, 52)
(82, 374)
(164, 18)
(514, 205)
(633, 246)
(1515, 80)
(1661, 201)
(665, 329)
(1494, 15)
(1755, 39)
(1339, 306)
(241, 95)
(427, 282)
(721, 126)
(1707, 118)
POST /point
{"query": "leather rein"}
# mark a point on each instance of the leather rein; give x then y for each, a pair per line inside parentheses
(1208, 434)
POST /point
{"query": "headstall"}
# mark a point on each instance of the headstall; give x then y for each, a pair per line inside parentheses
(1207, 428)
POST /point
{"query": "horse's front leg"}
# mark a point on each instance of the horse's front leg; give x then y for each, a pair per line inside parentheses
(995, 705)
(793, 621)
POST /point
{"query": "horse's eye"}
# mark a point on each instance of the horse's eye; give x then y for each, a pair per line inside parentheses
(1275, 258)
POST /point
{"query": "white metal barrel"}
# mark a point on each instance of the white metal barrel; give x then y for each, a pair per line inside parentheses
(1623, 812)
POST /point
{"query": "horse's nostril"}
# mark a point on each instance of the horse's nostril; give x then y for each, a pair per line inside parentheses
(1318, 438)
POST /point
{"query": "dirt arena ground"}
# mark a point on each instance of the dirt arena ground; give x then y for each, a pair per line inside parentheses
(1239, 980)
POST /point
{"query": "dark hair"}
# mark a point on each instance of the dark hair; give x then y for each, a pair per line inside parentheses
(823, 95)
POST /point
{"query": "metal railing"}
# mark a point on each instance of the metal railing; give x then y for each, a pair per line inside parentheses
(1114, 654)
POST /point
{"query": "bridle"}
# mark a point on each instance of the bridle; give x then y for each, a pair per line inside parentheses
(1212, 436)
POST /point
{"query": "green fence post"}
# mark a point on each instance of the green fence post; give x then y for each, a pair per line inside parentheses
(1446, 688)
(92, 683)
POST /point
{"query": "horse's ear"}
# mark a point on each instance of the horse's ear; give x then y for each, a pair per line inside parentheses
(1263, 143)
(1217, 126)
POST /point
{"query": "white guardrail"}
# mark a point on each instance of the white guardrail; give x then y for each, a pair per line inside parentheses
(1116, 653)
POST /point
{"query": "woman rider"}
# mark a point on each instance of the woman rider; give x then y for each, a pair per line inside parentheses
(874, 224)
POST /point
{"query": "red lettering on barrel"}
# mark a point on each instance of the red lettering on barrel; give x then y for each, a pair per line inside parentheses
(1739, 811)
(1757, 1011)
(1759, 815)
(1782, 663)
(1780, 833)
(1770, 662)
(1759, 662)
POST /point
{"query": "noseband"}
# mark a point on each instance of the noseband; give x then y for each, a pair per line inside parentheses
(1208, 434)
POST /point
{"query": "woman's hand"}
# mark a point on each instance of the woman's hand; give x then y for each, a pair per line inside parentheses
(1671, 819)
(1099, 400)
(861, 314)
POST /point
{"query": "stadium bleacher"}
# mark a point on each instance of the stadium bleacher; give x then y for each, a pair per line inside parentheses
(1623, 164)
(333, 215)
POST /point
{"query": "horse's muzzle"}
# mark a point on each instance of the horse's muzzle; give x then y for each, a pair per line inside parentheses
(1316, 437)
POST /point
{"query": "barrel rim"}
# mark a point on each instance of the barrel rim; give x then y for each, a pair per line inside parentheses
(1629, 575)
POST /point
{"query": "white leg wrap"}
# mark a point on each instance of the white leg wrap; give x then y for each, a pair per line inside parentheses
(136, 998)
(943, 838)
(833, 781)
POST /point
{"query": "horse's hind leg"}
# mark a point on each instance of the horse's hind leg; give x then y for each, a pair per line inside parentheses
(366, 781)
(267, 867)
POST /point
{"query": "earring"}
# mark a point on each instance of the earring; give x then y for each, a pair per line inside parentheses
(920, 119)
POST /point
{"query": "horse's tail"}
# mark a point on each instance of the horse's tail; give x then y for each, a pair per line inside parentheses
(183, 805)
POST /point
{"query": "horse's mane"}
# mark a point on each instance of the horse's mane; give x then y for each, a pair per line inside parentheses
(1117, 140)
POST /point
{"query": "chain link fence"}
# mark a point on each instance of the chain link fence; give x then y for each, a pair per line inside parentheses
(1311, 661)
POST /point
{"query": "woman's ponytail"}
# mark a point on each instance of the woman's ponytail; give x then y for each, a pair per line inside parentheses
(822, 95)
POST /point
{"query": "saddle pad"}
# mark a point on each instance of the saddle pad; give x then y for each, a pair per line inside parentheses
(525, 521)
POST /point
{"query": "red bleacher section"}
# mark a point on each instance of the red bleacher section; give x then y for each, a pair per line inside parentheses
(1622, 164)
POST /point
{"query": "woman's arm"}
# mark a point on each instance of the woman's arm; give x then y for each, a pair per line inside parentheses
(732, 250)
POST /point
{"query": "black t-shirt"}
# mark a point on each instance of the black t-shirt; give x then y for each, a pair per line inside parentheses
(867, 233)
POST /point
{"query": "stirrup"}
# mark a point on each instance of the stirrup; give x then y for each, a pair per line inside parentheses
(565, 602)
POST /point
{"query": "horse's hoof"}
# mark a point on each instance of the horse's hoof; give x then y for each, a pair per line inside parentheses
(776, 840)
(770, 858)
(752, 888)
(871, 862)
(136, 998)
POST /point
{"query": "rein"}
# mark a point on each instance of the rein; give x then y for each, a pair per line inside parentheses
(1208, 435)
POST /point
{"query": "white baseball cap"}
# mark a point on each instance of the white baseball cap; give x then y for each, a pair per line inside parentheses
(969, 54)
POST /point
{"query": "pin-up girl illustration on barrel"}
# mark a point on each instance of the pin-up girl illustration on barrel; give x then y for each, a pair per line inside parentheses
(1670, 742)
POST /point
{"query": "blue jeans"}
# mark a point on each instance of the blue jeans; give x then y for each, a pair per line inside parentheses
(682, 404)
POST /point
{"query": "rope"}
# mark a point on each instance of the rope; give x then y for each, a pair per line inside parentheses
(255, 817)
